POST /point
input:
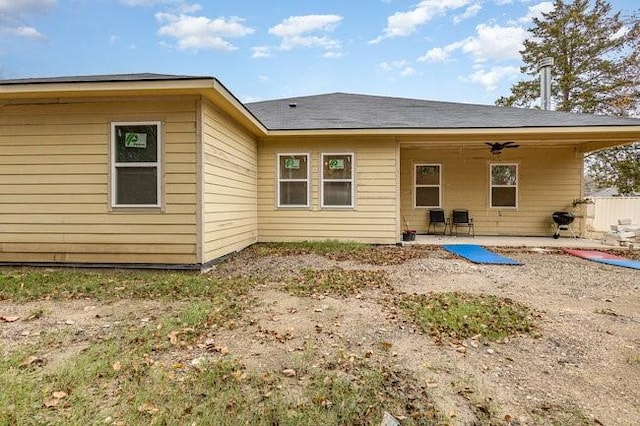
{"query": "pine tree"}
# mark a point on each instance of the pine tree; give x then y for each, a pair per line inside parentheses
(596, 71)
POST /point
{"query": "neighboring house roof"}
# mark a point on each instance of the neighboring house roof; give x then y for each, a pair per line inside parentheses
(350, 111)
(609, 192)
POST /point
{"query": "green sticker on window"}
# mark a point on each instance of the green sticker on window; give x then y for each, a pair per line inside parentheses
(336, 164)
(291, 163)
(135, 140)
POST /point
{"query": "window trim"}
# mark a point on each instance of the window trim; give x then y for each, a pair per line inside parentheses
(352, 180)
(155, 164)
(416, 186)
(279, 180)
(516, 186)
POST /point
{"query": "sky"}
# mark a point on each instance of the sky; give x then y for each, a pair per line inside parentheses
(445, 50)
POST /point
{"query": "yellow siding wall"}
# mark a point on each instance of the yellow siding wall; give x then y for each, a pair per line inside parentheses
(54, 184)
(549, 180)
(374, 218)
(229, 213)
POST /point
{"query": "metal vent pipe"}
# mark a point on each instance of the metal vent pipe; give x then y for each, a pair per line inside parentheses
(544, 67)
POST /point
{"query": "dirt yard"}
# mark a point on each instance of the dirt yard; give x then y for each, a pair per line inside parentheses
(581, 367)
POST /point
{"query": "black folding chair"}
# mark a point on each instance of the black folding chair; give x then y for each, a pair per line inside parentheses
(437, 217)
(460, 218)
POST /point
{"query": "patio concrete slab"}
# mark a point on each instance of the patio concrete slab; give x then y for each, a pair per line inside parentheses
(492, 241)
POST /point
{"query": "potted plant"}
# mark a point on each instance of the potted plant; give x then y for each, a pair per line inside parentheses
(408, 234)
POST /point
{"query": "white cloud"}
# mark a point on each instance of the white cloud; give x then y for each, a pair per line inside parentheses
(400, 68)
(177, 6)
(437, 54)
(536, 11)
(13, 15)
(25, 32)
(490, 42)
(18, 7)
(261, 52)
(298, 31)
(502, 2)
(492, 77)
(495, 42)
(113, 39)
(332, 55)
(200, 32)
(470, 12)
(403, 24)
(309, 31)
(623, 31)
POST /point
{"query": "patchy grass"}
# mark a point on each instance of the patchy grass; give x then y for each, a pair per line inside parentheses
(26, 284)
(344, 251)
(335, 282)
(463, 315)
(139, 373)
(123, 380)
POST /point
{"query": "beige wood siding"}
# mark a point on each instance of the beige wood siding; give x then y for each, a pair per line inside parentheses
(229, 176)
(374, 218)
(54, 183)
(548, 180)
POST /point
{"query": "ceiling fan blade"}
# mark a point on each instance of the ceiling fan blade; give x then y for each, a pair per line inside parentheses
(511, 146)
(489, 144)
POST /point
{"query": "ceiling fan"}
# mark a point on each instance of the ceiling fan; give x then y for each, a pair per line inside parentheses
(497, 147)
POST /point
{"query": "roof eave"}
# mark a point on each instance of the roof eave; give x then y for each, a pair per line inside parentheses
(630, 133)
(208, 87)
(584, 138)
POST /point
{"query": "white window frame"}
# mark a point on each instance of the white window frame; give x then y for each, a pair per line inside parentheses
(156, 164)
(352, 180)
(516, 186)
(307, 180)
(416, 186)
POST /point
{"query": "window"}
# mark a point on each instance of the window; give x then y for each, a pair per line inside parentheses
(135, 164)
(504, 185)
(293, 180)
(336, 184)
(427, 185)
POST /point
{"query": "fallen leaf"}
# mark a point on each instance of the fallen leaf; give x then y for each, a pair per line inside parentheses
(289, 372)
(60, 395)
(117, 366)
(173, 337)
(9, 318)
(148, 408)
(51, 402)
(31, 361)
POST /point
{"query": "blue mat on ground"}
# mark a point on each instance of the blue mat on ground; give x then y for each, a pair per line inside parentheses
(476, 254)
(606, 258)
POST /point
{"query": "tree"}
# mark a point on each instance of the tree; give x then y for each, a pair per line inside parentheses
(596, 71)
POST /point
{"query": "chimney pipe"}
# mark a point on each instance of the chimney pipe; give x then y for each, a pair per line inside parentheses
(544, 67)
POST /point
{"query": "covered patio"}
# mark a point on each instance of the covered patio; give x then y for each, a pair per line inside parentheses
(515, 241)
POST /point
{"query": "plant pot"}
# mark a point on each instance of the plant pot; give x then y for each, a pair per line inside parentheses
(409, 235)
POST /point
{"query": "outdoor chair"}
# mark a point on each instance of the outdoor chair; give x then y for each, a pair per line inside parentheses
(460, 218)
(436, 218)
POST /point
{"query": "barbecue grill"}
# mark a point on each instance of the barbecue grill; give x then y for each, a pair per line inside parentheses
(563, 221)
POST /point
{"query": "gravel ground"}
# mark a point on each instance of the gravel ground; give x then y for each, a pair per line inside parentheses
(582, 369)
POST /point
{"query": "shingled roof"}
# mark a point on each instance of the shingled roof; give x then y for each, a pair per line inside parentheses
(108, 78)
(344, 111)
(350, 111)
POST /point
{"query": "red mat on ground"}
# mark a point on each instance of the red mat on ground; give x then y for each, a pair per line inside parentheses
(609, 259)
